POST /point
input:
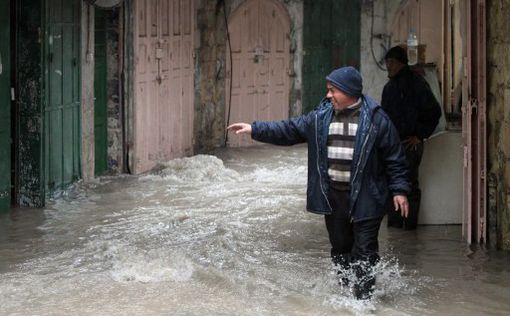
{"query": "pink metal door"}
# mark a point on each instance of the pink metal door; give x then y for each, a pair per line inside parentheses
(260, 65)
(474, 124)
(163, 109)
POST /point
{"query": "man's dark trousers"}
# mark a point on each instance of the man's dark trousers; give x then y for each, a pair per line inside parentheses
(354, 245)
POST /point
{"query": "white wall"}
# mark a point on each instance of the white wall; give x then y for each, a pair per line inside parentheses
(441, 180)
(374, 78)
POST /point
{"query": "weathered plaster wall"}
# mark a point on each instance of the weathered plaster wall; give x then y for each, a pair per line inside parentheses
(376, 19)
(115, 135)
(87, 92)
(209, 75)
(210, 62)
(498, 59)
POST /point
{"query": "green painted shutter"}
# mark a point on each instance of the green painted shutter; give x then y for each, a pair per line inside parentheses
(29, 83)
(331, 39)
(5, 108)
(100, 95)
(62, 108)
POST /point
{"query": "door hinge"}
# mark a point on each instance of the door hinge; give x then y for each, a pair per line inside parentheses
(13, 94)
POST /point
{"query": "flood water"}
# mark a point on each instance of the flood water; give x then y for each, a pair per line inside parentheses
(225, 234)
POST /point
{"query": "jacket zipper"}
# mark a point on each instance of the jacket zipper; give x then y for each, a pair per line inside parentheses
(318, 167)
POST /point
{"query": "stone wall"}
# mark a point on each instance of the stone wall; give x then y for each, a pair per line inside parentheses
(115, 132)
(498, 105)
(87, 92)
(209, 75)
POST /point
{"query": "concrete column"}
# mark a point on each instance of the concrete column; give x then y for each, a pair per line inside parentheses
(87, 92)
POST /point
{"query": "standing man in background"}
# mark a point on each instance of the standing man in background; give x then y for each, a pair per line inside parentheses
(355, 161)
(415, 112)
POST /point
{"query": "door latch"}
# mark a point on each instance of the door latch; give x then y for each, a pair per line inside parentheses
(259, 54)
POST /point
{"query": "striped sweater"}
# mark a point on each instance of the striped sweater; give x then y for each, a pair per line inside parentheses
(341, 137)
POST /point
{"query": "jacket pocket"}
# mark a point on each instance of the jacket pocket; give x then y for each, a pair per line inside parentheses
(379, 192)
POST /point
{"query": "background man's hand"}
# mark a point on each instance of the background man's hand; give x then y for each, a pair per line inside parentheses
(411, 141)
(240, 128)
(400, 202)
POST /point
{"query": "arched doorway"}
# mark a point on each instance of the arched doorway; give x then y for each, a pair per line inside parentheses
(259, 35)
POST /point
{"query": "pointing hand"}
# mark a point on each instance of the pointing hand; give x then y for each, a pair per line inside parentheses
(240, 128)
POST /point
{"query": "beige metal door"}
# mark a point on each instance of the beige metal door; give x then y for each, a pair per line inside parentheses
(259, 32)
(163, 109)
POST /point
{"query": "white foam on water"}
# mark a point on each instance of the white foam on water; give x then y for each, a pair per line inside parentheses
(136, 265)
(198, 168)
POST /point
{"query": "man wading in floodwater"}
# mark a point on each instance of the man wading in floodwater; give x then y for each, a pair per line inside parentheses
(354, 161)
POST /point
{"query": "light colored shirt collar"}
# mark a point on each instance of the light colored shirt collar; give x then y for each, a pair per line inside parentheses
(355, 104)
(350, 108)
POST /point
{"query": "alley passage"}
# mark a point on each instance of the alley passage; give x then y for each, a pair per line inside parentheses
(224, 234)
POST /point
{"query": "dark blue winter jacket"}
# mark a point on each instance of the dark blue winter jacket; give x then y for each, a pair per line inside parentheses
(379, 166)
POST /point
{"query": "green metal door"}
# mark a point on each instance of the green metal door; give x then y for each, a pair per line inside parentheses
(29, 80)
(5, 108)
(62, 108)
(100, 95)
(331, 39)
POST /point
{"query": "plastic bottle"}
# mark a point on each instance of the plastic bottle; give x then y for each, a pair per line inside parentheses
(412, 48)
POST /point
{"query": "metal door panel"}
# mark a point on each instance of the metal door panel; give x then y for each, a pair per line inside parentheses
(165, 18)
(176, 54)
(68, 64)
(176, 115)
(61, 138)
(55, 67)
(176, 9)
(187, 101)
(5, 108)
(278, 71)
(153, 19)
(141, 8)
(186, 12)
(331, 38)
(164, 77)
(69, 137)
(260, 57)
(53, 138)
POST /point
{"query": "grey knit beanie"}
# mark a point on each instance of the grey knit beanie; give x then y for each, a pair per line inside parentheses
(347, 79)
